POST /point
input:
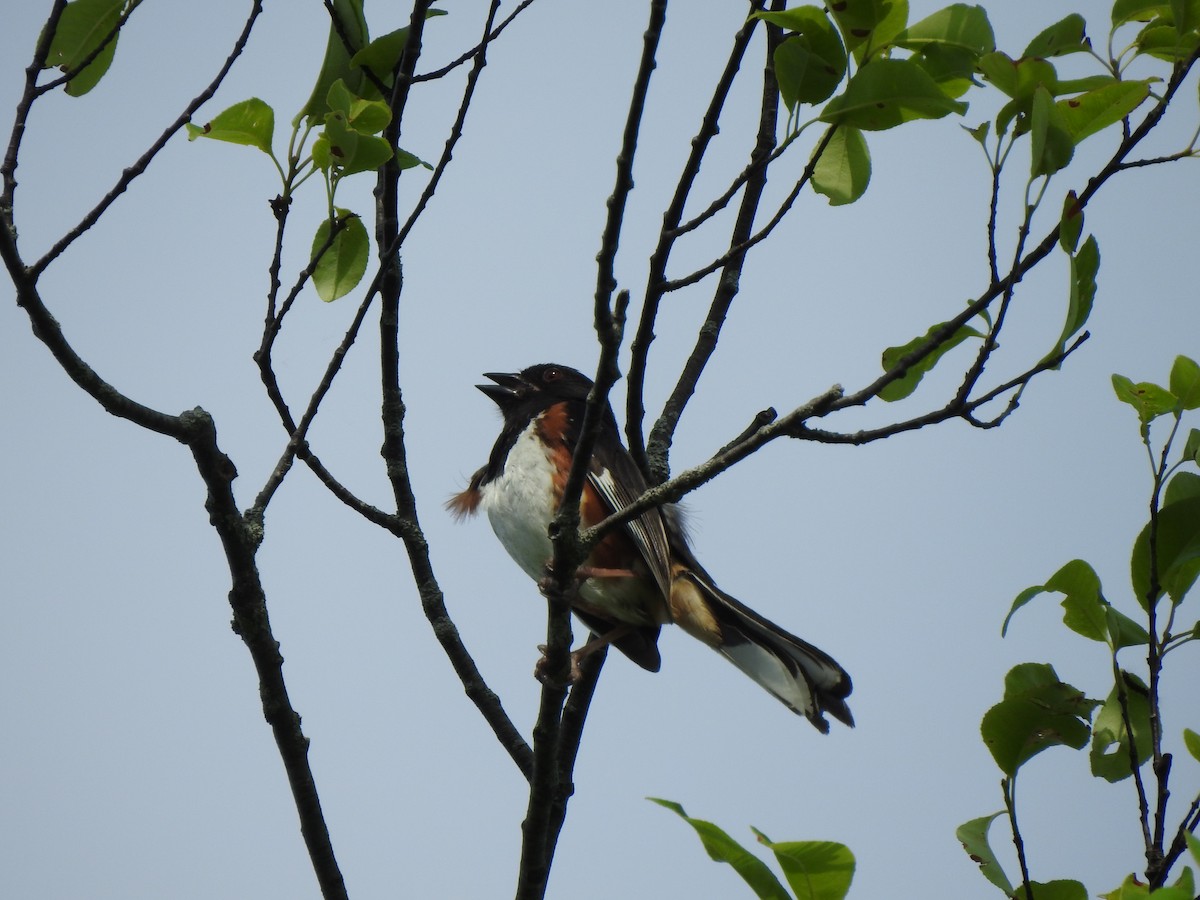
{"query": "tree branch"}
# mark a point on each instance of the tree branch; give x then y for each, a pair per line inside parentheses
(143, 162)
(662, 434)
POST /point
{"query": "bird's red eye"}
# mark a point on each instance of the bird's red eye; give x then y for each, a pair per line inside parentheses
(551, 375)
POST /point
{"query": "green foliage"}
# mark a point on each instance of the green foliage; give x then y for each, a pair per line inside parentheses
(844, 169)
(1086, 612)
(349, 120)
(811, 63)
(86, 26)
(814, 870)
(887, 93)
(1132, 889)
(973, 835)
(1054, 890)
(251, 122)
(350, 142)
(382, 55)
(1039, 711)
(348, 36)
(1067, 35)
(1113, 742)
(907, 383)
(340, 263)
(1084, 266)
(868, 26)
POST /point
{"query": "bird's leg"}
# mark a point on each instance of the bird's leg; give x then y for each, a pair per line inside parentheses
(594, 643)
(582, 574)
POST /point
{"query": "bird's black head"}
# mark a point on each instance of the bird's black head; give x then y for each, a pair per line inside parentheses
(536, 388)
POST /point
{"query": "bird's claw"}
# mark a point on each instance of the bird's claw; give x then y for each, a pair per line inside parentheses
(541, 670)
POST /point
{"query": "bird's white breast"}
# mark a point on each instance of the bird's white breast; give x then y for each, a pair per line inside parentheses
(520, 503)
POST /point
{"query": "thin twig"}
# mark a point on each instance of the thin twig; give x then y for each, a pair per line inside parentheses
(40, 52)
(662, 434)
(635, 410)
(143, 161)
(477, 49)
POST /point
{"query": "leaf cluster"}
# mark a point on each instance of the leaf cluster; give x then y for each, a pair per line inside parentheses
(1040, 711)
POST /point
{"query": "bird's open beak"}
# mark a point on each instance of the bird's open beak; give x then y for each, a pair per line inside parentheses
(509, 386)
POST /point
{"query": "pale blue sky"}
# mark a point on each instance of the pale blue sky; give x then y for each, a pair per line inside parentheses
(134, 761)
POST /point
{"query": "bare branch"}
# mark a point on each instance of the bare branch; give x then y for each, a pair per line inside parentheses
(143, 162)
(635, 411)
(662, 434)
(479, 48)
(9, 168)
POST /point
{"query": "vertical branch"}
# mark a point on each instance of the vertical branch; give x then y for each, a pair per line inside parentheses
(554, 746)
(251, 623)
(8, 169)
(1009, 787)
(662, 434)
(635, 410)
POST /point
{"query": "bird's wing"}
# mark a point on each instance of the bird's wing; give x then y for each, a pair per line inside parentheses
(618, 481)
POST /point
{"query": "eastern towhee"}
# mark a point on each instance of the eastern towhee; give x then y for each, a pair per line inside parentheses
(642, 575)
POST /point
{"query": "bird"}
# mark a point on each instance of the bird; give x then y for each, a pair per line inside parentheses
(642, 575)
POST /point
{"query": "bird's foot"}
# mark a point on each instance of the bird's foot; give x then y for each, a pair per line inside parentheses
(541, 669)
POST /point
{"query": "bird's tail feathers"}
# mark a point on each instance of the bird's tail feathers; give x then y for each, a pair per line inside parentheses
(805, 678)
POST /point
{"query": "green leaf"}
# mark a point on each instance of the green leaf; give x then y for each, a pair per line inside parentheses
(1183, 486)
(251, 123)
(973, 836)
(1097, 109)
(809, 73)
(1084, 266)
(1132, 889)
(337, 64)
(382, 55)
(815, 870)
(1070, 226)
(951, 68)
(1193, 843)
(1178, 553)
(958, 25)
(1191, 449)
(1084, 605)
(341, 267)
(722, 848)
(1063, 37)
(1054, 890)
(1053, 145)
(406, 160)
(1185, 382)
(1038, 711)
(1149, 399)
(1191, 740)
(1110, 751)
(1018, 78)
(868, 26)
(1083, 602)
(1186, 14)
(349, 150)
(844, 169)
(82, 27)
(907, 383)
(812, 63)
(1162, 41)
(887, 93)
(1138, 11)
(1085, 611)
(1124, 631)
